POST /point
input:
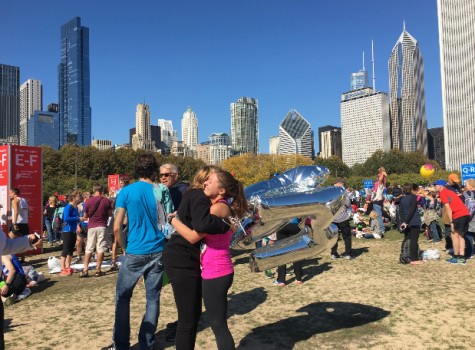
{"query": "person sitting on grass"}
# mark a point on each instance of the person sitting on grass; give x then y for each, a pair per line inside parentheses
(374, 230)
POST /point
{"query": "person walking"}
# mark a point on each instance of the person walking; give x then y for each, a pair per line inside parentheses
(143, 255)
(48, 214)
(342, 221)
(377, 198)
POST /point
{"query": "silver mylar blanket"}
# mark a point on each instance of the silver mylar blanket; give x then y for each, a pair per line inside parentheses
(297, 193)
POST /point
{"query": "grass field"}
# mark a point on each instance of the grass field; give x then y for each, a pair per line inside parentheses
(371, 302)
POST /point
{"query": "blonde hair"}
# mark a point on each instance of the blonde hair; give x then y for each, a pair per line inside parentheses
(53, 199)
(202, 175)
(470, 183)
(373, 214)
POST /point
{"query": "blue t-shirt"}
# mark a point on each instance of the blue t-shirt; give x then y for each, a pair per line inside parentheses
(144, 236)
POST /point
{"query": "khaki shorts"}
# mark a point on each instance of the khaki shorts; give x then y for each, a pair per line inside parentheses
(96, 238)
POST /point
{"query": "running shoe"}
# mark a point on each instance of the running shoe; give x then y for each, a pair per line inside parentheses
(279, 284)
(452, 261)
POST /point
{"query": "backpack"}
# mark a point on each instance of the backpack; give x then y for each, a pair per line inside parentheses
(58, 223)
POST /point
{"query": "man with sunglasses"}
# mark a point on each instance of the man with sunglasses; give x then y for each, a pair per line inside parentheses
(169, 177)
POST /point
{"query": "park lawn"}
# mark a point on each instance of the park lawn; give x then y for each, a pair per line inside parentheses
(371, 302)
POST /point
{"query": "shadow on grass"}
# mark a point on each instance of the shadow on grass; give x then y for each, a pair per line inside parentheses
(9, 327)
(316, 318)
(239, 304)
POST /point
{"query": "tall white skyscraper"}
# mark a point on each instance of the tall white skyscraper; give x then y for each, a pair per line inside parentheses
(143, 135)
(407, 96)
(364, 125)
(457, 65)
(189, 129)
(31, 100)
(167, 134)
(244, 126)
(296, 135)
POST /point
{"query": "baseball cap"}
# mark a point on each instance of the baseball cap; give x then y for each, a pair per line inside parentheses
(454, 178)
(440, 182)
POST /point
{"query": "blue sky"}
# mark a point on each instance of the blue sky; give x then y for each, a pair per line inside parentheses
(206, 54)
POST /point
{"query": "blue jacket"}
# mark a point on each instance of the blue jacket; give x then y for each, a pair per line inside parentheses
(70, 218)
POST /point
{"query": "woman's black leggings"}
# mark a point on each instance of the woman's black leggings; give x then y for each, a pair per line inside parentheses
(186, 285)
(215, 297)
(69, 240)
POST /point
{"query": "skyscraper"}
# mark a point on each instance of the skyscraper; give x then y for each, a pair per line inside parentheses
(167, 134)
(274, 145)
(244, 126)
(189, 129)
(435, 141)
(9, 103)
(407, 96)
(31, 100)
(330, 142)
(359, 80)
(457, 65)
(143, 135)
(74, 85)
(365, 125)
(296, 135)
(43, 129)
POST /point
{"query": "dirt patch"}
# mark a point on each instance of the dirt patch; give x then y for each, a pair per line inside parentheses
(369, 302)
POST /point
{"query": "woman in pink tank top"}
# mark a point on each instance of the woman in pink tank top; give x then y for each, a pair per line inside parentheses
(228, 200)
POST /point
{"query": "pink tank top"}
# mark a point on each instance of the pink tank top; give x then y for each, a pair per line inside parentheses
(216, 257)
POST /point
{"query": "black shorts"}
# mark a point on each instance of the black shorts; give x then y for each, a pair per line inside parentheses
(461, 225)
(83, 232)
(23, 230)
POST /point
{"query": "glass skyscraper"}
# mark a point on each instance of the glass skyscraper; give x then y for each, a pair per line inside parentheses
(296, 135)
(43, 129)
(359, 80)
(244, 127)
(74, 85)
(407, 96)
(9, 103)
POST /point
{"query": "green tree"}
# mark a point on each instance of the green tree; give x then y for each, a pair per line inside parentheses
(335, 165)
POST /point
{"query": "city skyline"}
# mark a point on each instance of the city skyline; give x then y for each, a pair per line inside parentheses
(311, 83)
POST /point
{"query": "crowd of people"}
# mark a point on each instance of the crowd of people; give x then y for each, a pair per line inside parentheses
(166, 227)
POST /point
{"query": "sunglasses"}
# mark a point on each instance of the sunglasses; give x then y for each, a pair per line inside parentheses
(166, 174)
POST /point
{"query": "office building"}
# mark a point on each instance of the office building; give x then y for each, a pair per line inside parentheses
(155, 134)
(189, 129)
(219, 139)
(102, 144)
(457, 65)
(330, 143)
(43, 129)
(202, 151)
(365, 125)
(167, 134)
(296, 135)
(31, 100)
(142, 139)
(407, 96)
(435, 140)
(244, 126)
(179, 149)
(9, 103)
(274, 145)
(74, 85)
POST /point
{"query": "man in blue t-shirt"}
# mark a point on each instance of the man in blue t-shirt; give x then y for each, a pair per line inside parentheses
(145, 243)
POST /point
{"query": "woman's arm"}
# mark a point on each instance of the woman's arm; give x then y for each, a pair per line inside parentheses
(190, 235)
(202, 220)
